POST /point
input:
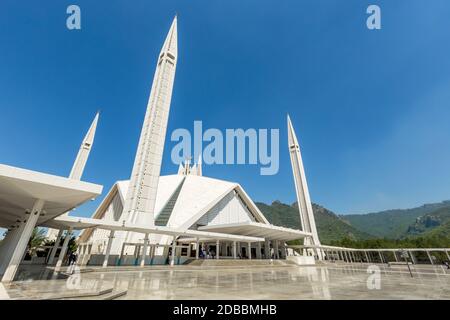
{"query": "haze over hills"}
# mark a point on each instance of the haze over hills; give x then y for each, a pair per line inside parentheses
(329, 226)
(397, 223)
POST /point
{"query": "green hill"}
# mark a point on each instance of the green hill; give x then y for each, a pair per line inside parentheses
(329, 226)
(436, 223)
(393, 224)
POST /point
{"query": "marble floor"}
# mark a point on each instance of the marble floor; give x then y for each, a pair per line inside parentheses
(329, 281)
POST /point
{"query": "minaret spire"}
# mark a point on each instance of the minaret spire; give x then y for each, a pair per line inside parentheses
(79, 164)
(83, 154)
(301, 187)
(141, 196)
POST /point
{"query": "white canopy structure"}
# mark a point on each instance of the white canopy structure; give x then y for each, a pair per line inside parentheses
(28, 199)
(19, 189)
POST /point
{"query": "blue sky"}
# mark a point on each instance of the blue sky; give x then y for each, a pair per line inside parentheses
(371, 108)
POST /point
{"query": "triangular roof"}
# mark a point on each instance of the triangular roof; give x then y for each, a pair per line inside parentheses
(198, 195)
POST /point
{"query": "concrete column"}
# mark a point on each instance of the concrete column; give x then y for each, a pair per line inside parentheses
(429, 256)
(258, 250)
(63, 250)
(17, 249)
(8, 245)
(448, 256)
(189, 249)
(234, 249)
(249, 248)
(172, 259)
(267, 248)
(395, 256)
(283, 250)
(277, 253)
(4, 245)
(367, 257)
(197, 249)
(144, 251)
(152, 252)
(121, 254)
(108, 248)
(55, 247)
(217, 249)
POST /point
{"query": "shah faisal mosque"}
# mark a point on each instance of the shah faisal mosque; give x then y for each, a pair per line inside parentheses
(149, 219)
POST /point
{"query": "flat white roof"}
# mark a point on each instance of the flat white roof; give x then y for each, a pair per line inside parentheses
(20, 188)
(83, 223)
(256, 229)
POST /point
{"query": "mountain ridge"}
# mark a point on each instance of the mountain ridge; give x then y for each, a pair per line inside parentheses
(394, 223)
(329, 226)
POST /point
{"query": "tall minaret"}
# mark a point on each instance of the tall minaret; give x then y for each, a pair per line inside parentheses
(301, 188)
(80, 162)
(83, 154)
(141, 196)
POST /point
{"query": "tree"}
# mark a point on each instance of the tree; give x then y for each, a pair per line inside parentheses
(36, 240)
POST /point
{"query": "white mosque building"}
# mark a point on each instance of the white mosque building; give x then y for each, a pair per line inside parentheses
(186, 201)
(149, 219)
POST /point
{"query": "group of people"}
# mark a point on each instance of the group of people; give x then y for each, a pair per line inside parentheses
(203, 254)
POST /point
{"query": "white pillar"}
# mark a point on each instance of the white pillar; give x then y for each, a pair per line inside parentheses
(172, 259)
(55, 247)
(144, 250)
(267, 248)
(249, 248)
(197, 250)
(152, 253)
(217, 249)
(234, 249)
(395, 256)
(63, 250)
(277, 254)
(6, 242)
(121, 254)
(429, 256)
(108, 248)
(448, 256)
(258, 250)
(367, 257)
(18, 248)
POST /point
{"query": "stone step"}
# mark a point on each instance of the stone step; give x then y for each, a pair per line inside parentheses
(114, 295)
(239, 262)
(77, 294)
